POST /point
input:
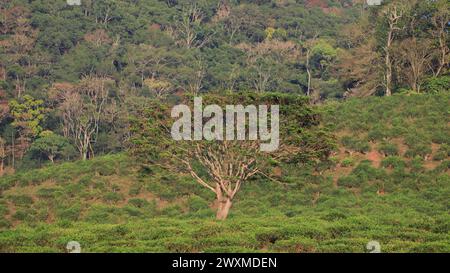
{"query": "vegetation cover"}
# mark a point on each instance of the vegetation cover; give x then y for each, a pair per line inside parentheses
(85, 99)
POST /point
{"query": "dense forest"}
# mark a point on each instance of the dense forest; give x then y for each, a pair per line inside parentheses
(72, 75)
(85, 92)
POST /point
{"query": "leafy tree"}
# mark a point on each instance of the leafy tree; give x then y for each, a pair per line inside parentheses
(49, 145)
(28, 114)
(224, 166)
(159, 87)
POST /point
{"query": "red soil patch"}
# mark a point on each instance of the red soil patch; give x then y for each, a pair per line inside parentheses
(375, 157)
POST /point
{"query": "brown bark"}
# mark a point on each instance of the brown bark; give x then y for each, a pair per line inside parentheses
(224, 204)
(393, 14)
(224, 209)
(308, 70)
(227, 169)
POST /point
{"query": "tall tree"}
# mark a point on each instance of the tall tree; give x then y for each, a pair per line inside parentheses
(439, 32)
(414, 56)
(223, 166)
(392, 15)
(82, 110)
(28, 114)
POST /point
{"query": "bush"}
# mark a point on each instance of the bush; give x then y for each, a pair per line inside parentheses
(443, 153)
(112, 197)
(132, 211)
(28, 215)
(105, 168)
(366, 172)
(348, 162)
(394, 162)
(46, 193)
(4, 224)
(137, 202)
(86, 179)
(421, 150)
(181, 245)
(388, 149)
(269, 236)
(355, 144)
(196, 203)
(71, 213)
(21, 200)
(416, 164)
(3, 210)
(102, 214)
(437, 84)
(377, 133)
(349, 181)
(440, 137)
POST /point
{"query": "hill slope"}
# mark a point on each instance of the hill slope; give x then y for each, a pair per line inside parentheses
(390, 182)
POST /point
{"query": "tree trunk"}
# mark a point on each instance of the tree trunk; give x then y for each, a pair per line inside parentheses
(224, 203)
(308, 92)
(224, 208)
(388, 70)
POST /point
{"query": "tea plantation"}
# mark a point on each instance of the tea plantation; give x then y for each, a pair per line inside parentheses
(389, 181)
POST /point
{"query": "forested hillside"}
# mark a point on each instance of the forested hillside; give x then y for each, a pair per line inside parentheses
(61, 65)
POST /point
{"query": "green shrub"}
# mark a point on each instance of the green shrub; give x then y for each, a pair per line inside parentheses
(437, 84)
(349, 181)
(4, 224)
(21, 200)
(269, 236)
(172, 211)
(3, 209)
(443, 167)
(416, 164)
(378, 132)
(137, 202)
(442, 153)
(86, 179)
(348, 162)
(388, 149)
(103, 214)
(394, 162)
(47, 192)
(132, 211)
(112, 197)
(421, 150)
(366, 172)
(355, 144)
(180, 245)
(63, 178)
(70, 213)
(135, 189)
(28, 215)
(196, 203)
(440, 137)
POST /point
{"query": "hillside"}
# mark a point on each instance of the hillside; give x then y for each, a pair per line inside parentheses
(389, 181)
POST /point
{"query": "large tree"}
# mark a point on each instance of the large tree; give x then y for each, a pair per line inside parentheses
(83, 107)
(223, 166)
